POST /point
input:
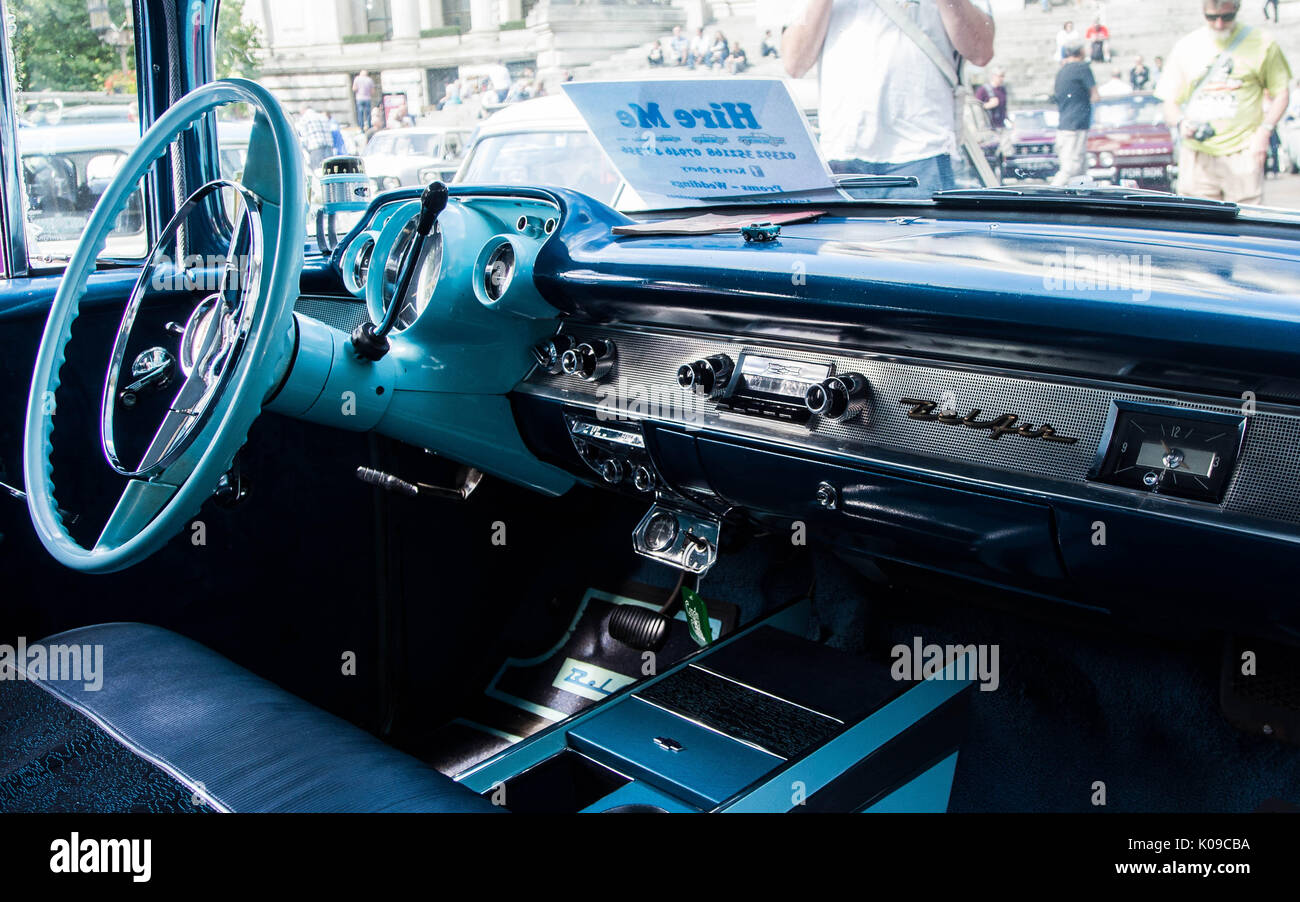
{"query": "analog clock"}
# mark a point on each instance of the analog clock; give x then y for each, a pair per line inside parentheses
(1170, 451)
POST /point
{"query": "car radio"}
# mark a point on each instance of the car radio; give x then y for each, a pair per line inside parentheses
(775, 388)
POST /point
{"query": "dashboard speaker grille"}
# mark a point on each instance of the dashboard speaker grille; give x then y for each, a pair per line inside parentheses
(343, 315)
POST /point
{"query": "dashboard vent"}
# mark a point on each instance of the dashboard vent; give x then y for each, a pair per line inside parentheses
(498, 271)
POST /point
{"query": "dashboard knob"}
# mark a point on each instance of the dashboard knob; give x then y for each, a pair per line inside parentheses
(838, 398)
(612, 470)
(590, 361)
(708, 376)
(548, 353)
(643, 478)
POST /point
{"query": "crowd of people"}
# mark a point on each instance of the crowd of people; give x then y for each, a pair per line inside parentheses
(704, 51)
(486, 92)
(1224, 91)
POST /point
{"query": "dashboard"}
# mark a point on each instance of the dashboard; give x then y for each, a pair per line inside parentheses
(914, 389)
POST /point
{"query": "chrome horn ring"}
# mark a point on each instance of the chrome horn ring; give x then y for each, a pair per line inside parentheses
(213, 338)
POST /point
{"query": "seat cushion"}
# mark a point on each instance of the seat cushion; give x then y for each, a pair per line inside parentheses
(227, 736)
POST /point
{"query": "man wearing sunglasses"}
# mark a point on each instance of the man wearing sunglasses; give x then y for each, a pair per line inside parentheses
(1224, 90)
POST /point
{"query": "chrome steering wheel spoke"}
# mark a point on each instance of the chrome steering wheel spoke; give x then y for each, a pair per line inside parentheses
(214, 334)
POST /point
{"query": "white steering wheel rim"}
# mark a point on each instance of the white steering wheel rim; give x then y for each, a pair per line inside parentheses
(151, 511)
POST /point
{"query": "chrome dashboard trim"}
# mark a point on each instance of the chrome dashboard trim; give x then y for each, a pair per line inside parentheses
(1263, 496)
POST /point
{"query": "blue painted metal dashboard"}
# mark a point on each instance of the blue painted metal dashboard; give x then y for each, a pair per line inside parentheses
(1054, 319)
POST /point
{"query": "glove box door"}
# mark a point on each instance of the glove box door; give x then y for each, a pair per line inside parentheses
(954, 530)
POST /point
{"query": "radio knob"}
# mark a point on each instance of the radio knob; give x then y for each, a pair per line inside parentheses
(707, 376)
(612, 470)
(643, 479)
(838, 398)
(590, 361)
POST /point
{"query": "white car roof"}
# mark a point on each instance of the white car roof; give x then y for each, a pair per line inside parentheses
(554, 112)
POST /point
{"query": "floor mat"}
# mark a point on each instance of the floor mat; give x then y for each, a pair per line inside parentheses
(582, 667)
(53, 758)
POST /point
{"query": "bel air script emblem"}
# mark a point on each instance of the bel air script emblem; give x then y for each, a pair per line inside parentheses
(997, 427)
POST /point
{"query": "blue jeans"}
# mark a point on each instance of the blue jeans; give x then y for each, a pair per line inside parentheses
(933, 174)
(363, 114)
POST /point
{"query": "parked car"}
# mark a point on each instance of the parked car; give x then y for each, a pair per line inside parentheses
(400, 157)
(543, 141)
(1129, 143)
(66, 168)
(1032, 150)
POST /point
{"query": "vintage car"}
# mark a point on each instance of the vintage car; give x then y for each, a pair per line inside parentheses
(544, 141)
(1033, 145)
(1130, 144)
(773, 492)
(403, 157)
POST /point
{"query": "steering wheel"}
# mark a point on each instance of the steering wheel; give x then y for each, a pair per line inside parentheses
(239, 340)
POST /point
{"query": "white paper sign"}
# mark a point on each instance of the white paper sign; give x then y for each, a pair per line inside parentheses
(687, 141)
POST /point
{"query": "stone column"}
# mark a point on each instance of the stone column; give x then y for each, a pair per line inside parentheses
(431, 14)
(406, 19)
(510, 10)
(483, 15)
(342, 17)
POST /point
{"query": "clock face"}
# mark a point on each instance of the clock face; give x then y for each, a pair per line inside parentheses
(1172, 451)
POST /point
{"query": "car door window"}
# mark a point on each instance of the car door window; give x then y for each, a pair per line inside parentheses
(77, 117)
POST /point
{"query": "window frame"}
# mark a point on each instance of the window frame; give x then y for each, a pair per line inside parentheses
(13, 241)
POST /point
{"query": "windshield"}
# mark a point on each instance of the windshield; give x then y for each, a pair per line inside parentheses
(858, 96)
(1134, 111)
(569, 159)
(1035, 120)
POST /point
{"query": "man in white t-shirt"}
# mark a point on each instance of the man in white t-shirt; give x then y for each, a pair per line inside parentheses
(699, 52)
(1115, 86)
(1067, 35)
(886, 107)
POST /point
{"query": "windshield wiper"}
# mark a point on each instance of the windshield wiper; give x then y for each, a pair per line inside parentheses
(843, 182)
(1097, 197)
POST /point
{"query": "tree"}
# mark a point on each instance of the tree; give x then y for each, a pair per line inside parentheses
(238, 42)
(54, 48)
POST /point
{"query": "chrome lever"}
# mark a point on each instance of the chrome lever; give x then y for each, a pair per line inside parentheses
(470, 478)
(153, 369)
